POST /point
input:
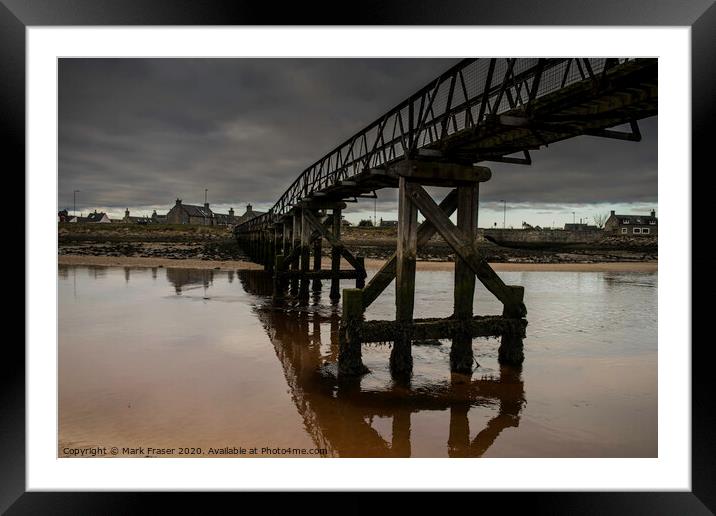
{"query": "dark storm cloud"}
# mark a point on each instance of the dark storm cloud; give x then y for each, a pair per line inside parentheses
(143, 131)
(586, 169)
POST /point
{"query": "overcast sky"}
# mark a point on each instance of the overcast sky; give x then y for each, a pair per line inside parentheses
(139, 133)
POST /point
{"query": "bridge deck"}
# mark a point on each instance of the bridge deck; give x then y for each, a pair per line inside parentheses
(512, 119)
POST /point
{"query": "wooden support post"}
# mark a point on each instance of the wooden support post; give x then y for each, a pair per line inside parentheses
(360, 280)
(317, 263)
(380, 281)
(305, 255)
(465, 248)
(401, 356)
(278, 239)
(461, 355)
(279, 287)
(511, 350)
(286, 239)
(295, 245)
(269, 249)
(350, 362)
(336, 257)
(262, 248)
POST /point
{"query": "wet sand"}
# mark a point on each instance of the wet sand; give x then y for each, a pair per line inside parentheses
(135, 261)
(127, 261)
(204, 363)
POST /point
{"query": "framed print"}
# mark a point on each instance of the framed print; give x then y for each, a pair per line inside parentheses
(416, 252)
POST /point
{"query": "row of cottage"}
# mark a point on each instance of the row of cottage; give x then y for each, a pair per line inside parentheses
(203, 215)
(179, 214)
(622, 225)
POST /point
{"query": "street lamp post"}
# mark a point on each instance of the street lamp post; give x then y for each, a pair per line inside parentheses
(74, 201)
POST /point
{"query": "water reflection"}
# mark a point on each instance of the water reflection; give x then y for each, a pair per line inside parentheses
(343, 415)
(181, 278)
(234, 369)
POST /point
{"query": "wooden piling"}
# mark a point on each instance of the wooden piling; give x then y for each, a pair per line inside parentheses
(305, 256)
(401, 356)
(360, 280)
(278, 282)
(286, 239)
(317, 263)
(461, 355)
(278, 239)
(350, 361)
(336, 257)
(511, 350)
(269, 249)
(295, 243)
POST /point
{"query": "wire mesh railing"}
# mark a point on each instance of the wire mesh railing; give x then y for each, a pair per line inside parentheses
(459, 99)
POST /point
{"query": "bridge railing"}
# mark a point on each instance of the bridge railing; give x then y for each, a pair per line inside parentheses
(461, 98)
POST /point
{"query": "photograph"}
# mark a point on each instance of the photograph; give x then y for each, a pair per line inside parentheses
(357, 257)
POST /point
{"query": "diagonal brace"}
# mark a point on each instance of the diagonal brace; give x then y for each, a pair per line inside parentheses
(380, 281)
(295, 253)
(464, 247)
(323, 232)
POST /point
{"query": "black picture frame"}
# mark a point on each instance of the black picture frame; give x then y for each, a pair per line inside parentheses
(700, 15)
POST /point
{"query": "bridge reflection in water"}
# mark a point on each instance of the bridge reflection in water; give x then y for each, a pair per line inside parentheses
(338, 413)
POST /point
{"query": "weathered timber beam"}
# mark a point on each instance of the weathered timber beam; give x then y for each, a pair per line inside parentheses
(430, 153)
(380, 281)
(464, 247)
(513, 121)
(321, 229)
(322, 274)
(527, 160)
(319, 204)
(440, 172)
(426, 329)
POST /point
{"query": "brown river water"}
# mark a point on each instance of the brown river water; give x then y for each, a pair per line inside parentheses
(183, 362)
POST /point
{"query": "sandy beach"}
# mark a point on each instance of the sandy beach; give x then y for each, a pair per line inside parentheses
(133, 261)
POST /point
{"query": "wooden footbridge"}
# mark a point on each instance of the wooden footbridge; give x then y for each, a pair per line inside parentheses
(480, 110)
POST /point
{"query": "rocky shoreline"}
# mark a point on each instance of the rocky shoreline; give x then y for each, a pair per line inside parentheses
(217, 244)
